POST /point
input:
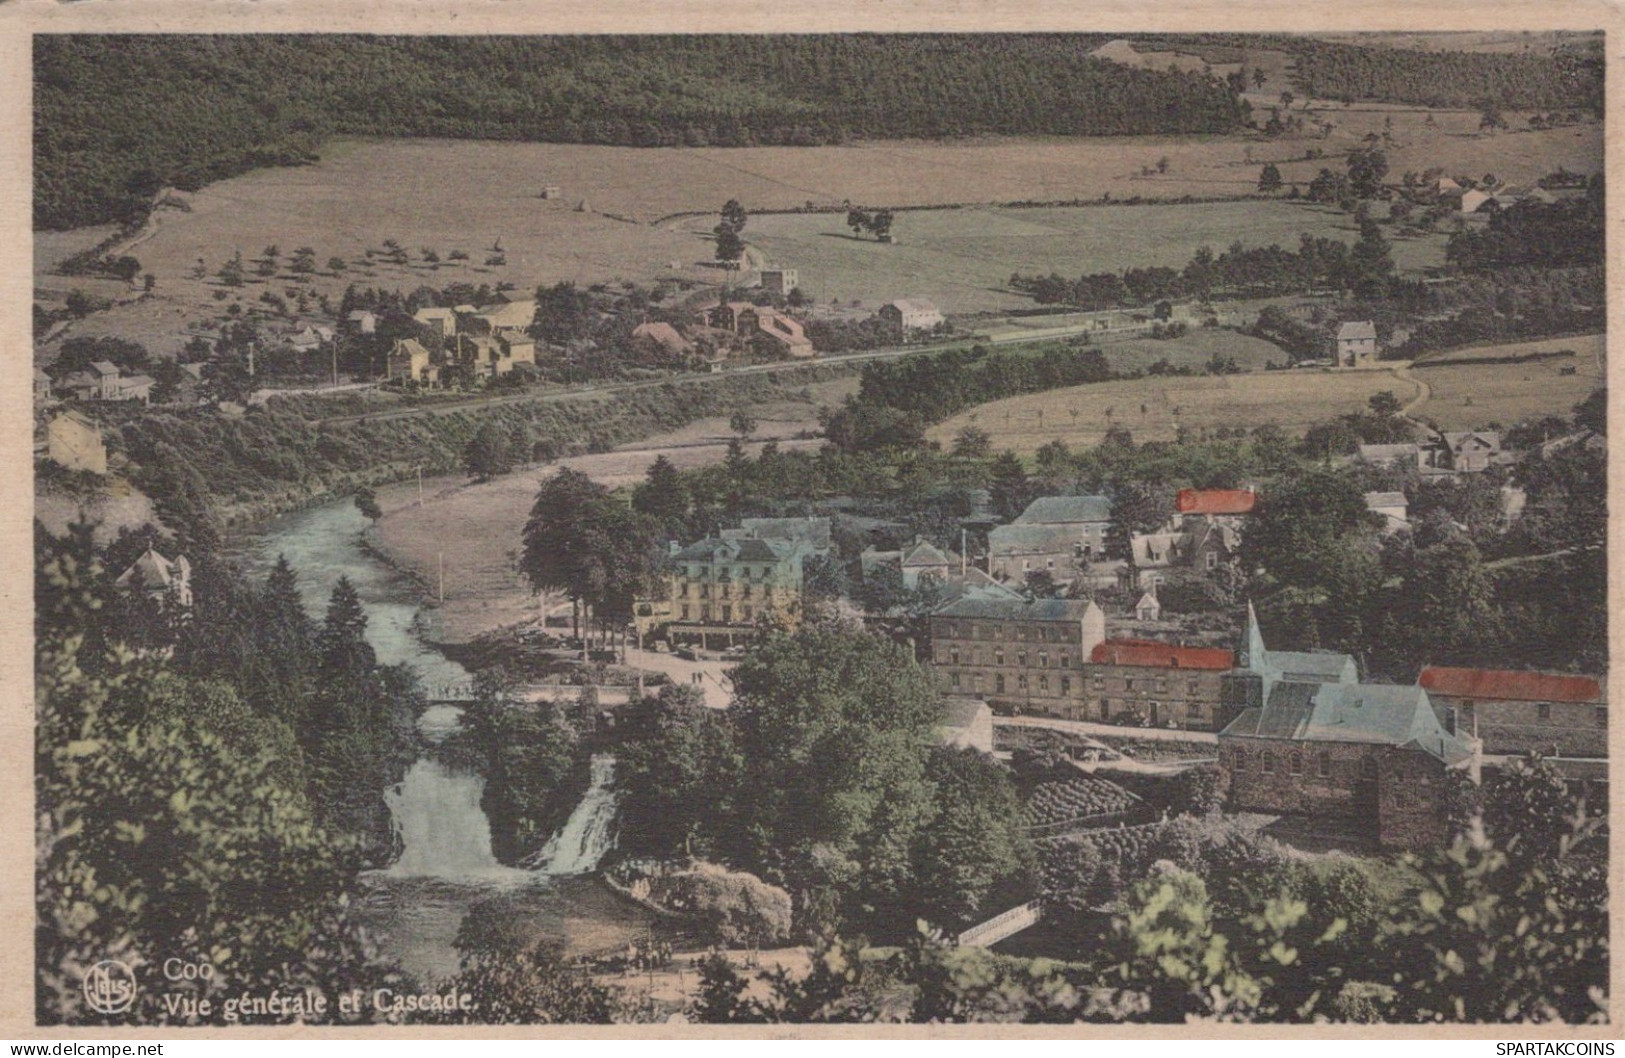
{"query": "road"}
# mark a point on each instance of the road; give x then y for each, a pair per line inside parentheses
(1088, 729)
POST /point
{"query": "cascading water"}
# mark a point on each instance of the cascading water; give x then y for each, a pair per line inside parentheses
(590, 831)
(416, 906)
(443, 831)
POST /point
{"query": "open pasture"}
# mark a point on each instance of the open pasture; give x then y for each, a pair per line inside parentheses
(472, 195)
(1473, 391)
(1154, 408)
(963, 258)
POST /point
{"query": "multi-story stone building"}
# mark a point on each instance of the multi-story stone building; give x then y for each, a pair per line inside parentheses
(720, 587)
(1157, 683)
(1521, 712)
(1017, 654)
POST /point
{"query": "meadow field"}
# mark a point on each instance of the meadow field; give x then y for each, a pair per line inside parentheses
(962, 259)
(1468, 393)
(1154, 408)
(617, 214)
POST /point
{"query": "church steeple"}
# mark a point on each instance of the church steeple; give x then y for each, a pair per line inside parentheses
(1252, 646)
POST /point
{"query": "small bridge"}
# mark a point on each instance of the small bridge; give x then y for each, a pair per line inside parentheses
(1008, 924)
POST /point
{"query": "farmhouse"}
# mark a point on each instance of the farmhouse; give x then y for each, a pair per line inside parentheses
(42, 385)
(1308, 738)
(908, 317)
(480, 356)
(779, 281)
(504, 318)
(664, 337)
(1471, 451)
(161, 579)
(362, 322)
(436, 321)
(1356, 344)
(1054, 534)
(1521, 712)
(1203, 545)
(1228, 506)
(409, 361)
(1017, 653)
(1140, 681)
(103, 381)
(1148, 609)
(74, 442)
(919, 559)
(749, 321)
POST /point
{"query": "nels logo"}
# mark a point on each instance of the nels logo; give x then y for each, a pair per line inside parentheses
(109, 987)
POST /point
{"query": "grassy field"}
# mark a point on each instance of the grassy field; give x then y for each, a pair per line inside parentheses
(461, 195)
(963, 258)
(1153, 408)
(483, 589)
(1466, 395)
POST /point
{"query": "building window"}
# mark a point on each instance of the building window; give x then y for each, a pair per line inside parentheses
(1194, 710)
(1192, 685)
(953, 655)
(977, 680)
(956, 681)
(1296, 761)
(1043, 659)
(1021, 658)
(746, 611)
(1238, 760)
(1043, 684)
(1021, 681)
(1099, 682)
(998, 684)
(1066, 660)
(1268, 765)
(1368, 768)
(998, 657)
(1066, 684)
(1128, 684)
(1545, 710)
(1162, 684)
(1602, 716)
(1212, 560)
(685, 611)
(1323, 765)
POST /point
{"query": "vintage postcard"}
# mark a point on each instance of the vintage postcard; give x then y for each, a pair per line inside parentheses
(999, 524)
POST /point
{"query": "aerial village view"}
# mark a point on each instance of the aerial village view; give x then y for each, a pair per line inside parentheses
(836, 528)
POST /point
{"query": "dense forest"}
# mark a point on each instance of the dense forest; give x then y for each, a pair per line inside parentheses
(117, 118)
(1569, 79)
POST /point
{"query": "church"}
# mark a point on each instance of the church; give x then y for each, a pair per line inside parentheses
(1308, 738)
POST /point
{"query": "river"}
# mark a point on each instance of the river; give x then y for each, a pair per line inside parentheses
(414, 908)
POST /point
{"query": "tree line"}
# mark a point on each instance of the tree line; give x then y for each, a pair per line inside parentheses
(118, 118)
(210, 779)
(1240, 271)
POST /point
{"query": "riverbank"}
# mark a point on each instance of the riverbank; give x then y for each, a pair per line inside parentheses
(461, 541)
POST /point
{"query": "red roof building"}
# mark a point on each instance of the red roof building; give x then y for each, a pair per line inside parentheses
(1144, 653)
(1507, 685)
(1215, 501)
(1513, 712)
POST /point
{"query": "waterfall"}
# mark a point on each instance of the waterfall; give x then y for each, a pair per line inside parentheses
(589, 832)
(444, 833)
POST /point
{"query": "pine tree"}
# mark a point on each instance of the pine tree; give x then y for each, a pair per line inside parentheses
(342, 649)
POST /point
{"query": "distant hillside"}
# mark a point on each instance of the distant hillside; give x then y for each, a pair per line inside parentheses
(1570, 78)
(117, 117)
